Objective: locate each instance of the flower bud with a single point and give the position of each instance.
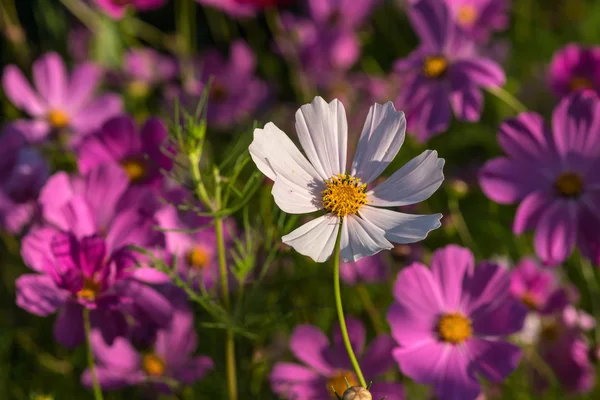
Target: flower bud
(357, 393)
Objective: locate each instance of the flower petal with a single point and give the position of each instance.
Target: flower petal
(556, 232)
(120, 355)
(413, 183)
(275, 154)
(507, 181)
(286, 377)
(316, 238)
(387, 391)
(400, 227)
(84, 80)
(68, 327)
(380, 140)
(458, 380)
(481, 71)
(323, 132)
(35, 248)
(377, 358)
(467, 102)
(450, 266)
(38, 294)
(424, 362)
(530, 210)
(50, 79)
(295, 198)
(494, 359)
(357, 335)
(194, 370)
(20, 93)
(91, 116)
(309, 345)
(527, 138)
(361, 238)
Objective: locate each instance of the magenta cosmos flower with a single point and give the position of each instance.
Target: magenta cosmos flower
(60, 101)
(23, 172)
(480, 18)
(77, 273)
(145, 68)
(171, 356)
(321, 182)
(347, 14)
(117, 8)
(449, 322)
(140, 152)
(366, 270)
(552, 173)
(326, 365)
(235, 93)
(445, 73)
(554, 326)
(574, 67)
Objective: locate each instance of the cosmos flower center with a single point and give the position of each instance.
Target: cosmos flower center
(344, 194)
(218, 92)
(529, 300)
(569, 184)
(90, 290)
(134, 168)
(153, 365)
(435, 66)
(454, 328)
(138, 88)
(467, 14)
(198, 258)
(579, 82)
(58, 119)
(338, 382)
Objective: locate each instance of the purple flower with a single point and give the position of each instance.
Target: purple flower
(328, 365)
(366, 270)
(60, 102)
(119, 364)
(235, 93)
(117, 8)
(574, 67)
(537, 288)
(444, 73)
(138, 152)
(552, 173)
(86, 273)
(145, 68)
(347, 14)
(23, 172)
(479, 18)
(449, 321)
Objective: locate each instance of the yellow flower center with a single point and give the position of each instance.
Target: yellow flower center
(338, 382)
(153, 365)
(580, 83)
(569, 184)
(454, 328)
(344, 195)
(90, 290)
(467, 14)
(135, 169)
(434, 66)
(530, 301)
(138, 89)
(58, 119)
(198, 258)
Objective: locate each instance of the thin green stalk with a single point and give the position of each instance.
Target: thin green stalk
(340, 310)
(460, 223)
(593, 291)
(374, 315)
(90, 355)
(508, 98)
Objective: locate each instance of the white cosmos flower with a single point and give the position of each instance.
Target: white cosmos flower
(322, 183)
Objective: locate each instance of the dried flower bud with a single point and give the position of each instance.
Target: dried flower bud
(357, 393)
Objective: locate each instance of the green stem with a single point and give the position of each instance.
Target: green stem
(508, 98)
(90, 355)
(460, 223)
(593, 291)
(340, 310)
(374, 315)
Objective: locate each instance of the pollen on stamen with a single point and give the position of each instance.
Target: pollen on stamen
(344, 194)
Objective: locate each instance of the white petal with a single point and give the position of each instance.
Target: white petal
(360, 238)
(315, 239)
(414, 182)
(400, 227)
(323, 132)
(297, 199)
(380, 140)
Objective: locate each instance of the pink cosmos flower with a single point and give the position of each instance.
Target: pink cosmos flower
(120, 364)
(445, 73)
(449, 322)
(140, 152)
(117, 8)
(144, 68)
(326, 365)
(366, 270)
(480, 18)
(552, 173)
(23, 172)
(574, 67)
(347, 14)
(60, 101)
